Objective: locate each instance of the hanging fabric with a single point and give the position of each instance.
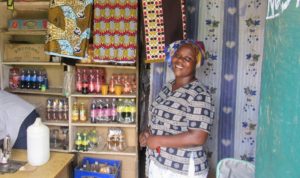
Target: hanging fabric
(115, 31)
(164, 22)
(69, 28)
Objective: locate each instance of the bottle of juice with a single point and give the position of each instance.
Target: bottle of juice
(82, 113)
(75, 112)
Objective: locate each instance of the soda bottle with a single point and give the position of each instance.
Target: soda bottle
(60, 111)
(33, 79)
(97, 82)
(75, 112)
(93, 117)
(100, 111)
(78, 80)
(49, 109)
(91, 87)
(85, 83)
(85, 142)
(66, 110)
(78, 142)
(106, 111)
(82, 113)
(28, 79)
(55, 109)
(40, 79)
(113, 110)
(23, 81)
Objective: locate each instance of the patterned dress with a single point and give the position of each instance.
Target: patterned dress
(174, 112)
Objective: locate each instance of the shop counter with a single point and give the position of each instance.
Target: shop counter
(58, 166)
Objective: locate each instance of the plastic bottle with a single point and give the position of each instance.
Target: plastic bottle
(113, 110)
(85, 142)
(49, 109)
(23, 81)
(120, 111)
(38, 143)
(106, 111)
(78, 142)
(33, 80)
(40, 79)
(85, 83)
(66, 110)
(78, 80)
(60, 112)
(91, 86)
(82, 113)
(27, 79)
(93, 114)
(75, 112)
(100, 111)
(132, 111)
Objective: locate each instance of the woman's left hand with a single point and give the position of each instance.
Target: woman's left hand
(153, 142)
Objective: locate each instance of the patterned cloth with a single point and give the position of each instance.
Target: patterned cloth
(69, 28)
(171, 49)
(174, 112)
(158, 31)
(115, 31)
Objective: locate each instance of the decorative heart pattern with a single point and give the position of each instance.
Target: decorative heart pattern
(228, 77)
(227, 110)
(159, 70)
(230, 44)
(226, 142)
(232, 10)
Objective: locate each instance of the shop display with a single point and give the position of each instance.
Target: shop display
(116, 139)
(96, 167)
(57, 109)
(59, 138)
(28, 78)
(115, 31)
(89, 80)
(69, 28)
(88, 140)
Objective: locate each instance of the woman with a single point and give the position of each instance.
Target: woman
(182, 116)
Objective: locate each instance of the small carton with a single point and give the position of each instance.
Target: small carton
(27, 24)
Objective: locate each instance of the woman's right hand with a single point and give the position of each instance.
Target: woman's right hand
(143, 138)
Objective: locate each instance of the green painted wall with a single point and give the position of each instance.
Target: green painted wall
(278, 138)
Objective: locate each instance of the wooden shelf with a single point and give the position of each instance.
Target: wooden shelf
(129, 151)
(23, 32)
(56, 123)
(50, 91)
(102, 96)
(59, 150)
(133, 125)
(108, 66)
(42, 5)
(33, 63)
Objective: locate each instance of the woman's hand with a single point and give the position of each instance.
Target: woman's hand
(153, 142)
(143, 138)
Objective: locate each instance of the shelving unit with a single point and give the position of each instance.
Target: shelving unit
(56, 71)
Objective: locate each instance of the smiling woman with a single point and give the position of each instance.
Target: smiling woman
(181, 111)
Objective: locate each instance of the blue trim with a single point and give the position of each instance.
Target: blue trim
(228, 87)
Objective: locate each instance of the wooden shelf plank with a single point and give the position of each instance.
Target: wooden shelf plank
(56, 123)
(23, 32)
(42, 5)
(33, 63)
(104, 125)
(50, 91)
(102, 96)
(59, 150)
(129, 151)
(107, 66)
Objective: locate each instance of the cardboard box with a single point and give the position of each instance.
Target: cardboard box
(27, 24)
(25, 53)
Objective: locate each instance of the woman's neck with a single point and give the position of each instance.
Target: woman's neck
(180, 82)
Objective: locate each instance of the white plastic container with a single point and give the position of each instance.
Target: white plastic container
(38, 143)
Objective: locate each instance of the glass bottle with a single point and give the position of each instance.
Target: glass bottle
(82, 113)
(75, 112)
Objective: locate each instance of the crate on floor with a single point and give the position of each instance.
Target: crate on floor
(86, 171)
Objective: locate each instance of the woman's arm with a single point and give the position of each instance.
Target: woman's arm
(192, 137)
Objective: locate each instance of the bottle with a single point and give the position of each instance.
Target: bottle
(33, 79)
(91, 82)
(75, 112)
(93, 114)
(93, 139)
(66, 110)
(97, 82)
(27, 79)
(14, 78)
(100, 111)
(78, 80)
(120, 109)
(82, 113)
(55, 109)
(132, 111)
(46, 83)
(40, 79)
(113, 110)
(106, 111)
(78, 142)
(49, 109)
(85, 83)
(60, 111)
(38, 143)
(23, 81)
(85, 142)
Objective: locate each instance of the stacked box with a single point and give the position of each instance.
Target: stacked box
(25, 53)
(27, 24)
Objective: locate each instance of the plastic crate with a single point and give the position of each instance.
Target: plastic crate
(87, 174)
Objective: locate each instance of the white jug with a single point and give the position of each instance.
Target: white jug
(38, 143)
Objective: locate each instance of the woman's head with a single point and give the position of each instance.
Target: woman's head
(196, 47)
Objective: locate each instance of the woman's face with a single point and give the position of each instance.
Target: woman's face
(184, 62)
